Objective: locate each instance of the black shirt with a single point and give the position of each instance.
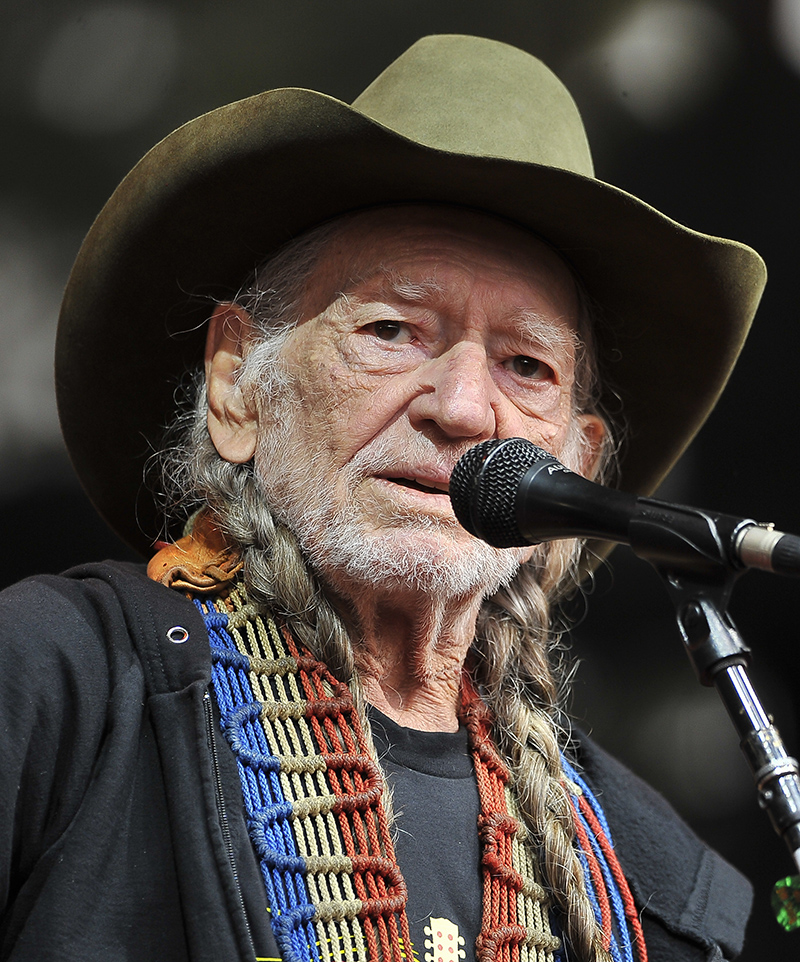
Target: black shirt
(436, 807)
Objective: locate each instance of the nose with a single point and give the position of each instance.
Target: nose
(456, 392)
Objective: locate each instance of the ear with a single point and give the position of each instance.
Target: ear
(593, 430)
(232, 423)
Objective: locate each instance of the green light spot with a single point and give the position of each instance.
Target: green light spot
(786, 902)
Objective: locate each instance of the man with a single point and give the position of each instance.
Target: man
(429, 268)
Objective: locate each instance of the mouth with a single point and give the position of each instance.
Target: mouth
(432, 487)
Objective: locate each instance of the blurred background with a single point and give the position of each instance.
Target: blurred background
(693, 105)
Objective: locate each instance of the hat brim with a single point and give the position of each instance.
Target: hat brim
(223, 192)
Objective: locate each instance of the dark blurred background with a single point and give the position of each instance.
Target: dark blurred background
(691, 104)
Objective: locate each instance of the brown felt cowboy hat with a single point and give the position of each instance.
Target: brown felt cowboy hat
(455, 120)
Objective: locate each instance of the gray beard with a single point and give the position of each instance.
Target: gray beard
(339, 544)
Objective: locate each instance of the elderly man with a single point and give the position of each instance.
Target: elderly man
(432, 267)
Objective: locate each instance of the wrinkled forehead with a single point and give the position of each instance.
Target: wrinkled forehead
(405, 244)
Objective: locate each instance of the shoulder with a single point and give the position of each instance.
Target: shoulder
(52, 615)
(65, 643)
(81, 654)
(56, 623)
(685, 887)
(86, 626)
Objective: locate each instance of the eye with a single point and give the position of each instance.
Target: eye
(530, 368)
(389, 330)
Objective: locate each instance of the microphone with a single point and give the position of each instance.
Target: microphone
(510, 493)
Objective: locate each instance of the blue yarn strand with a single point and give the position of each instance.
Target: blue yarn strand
(282, 867)
(621, 947)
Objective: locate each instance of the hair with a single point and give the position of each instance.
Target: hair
(517, 658)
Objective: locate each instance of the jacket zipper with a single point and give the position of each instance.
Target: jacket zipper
(222, 813)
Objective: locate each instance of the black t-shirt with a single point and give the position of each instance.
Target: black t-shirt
(436, 807)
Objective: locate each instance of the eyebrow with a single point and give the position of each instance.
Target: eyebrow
(428, 289)
(557, 339)
(393, 283)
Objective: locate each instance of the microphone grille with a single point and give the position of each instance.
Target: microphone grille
(483, 488)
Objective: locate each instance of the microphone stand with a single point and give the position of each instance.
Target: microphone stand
(700, 593)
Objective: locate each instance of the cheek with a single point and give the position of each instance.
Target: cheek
(366, 406)
(550, 431)
(341, 410)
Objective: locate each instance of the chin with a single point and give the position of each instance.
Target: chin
(448, 563)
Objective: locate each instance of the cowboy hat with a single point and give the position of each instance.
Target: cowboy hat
(455, 120)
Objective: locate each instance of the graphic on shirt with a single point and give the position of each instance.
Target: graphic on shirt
(444, 944)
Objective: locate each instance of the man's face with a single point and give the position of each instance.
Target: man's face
(427, 331)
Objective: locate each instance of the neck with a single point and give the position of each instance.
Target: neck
(410, 650)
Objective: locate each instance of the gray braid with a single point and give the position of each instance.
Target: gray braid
(514, 648)
(514, 669)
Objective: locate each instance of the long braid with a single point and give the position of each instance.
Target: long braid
(514, 673)
(275, 571)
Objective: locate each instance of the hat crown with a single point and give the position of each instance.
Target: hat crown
(480, 97)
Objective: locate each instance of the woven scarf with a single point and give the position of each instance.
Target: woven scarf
(313, 794)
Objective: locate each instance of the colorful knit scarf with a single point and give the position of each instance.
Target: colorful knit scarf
(313, 794)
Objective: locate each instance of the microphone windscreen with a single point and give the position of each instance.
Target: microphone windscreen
(484, 484)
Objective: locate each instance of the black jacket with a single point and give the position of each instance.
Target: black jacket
(121, 827)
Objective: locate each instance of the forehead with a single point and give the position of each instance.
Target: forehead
(441, 248)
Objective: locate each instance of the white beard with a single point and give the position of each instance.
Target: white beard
(379, 550)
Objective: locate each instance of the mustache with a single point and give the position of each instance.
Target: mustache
(409, 453)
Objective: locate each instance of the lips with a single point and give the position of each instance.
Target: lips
(429, 478)
(429, 487)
